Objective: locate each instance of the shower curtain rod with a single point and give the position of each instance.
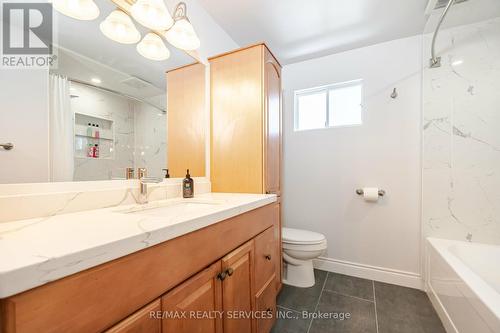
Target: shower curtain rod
(117, 93)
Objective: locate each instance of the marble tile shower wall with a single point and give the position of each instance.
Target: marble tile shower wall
(461, 135)
(119, 109)
(139, 135)
(150, 139)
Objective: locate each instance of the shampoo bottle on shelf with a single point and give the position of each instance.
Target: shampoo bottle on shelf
(188, 186)
(90, 150)
(96, 151)
(89, 130)
(96, 134)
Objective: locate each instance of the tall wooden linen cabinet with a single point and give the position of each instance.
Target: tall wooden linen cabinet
(245, 108)
(246, 121)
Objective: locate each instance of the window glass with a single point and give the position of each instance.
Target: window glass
(344, 107)
(311, 111)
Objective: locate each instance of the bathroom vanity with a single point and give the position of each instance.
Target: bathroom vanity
(168, 266)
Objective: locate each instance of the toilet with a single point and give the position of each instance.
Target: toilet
(300, 247)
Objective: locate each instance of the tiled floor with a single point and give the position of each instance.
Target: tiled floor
(374, 307)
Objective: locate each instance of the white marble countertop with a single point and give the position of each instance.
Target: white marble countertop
(36, 251)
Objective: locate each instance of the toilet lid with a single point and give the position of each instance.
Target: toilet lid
(298, 236)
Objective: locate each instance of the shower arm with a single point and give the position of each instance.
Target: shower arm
(436, 61)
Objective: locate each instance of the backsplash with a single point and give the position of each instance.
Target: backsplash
(461, 165)
(23, 201)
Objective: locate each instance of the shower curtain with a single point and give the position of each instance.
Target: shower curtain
(61, 123)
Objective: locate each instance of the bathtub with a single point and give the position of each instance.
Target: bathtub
(463, 283)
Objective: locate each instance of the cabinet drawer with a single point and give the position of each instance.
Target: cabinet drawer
(265, 257)
(141, 321)
(266, 305)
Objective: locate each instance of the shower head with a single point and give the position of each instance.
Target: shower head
(438, 4)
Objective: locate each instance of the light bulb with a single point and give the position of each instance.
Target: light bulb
(119, 27)
(152, 14)
(183, 36)
(152, 47)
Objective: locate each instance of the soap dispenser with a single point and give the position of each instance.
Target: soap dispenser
(167, 175)
(188, 186)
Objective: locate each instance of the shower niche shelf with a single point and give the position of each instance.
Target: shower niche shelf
(86, 136)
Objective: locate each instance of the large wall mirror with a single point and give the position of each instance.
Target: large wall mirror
(100, 110)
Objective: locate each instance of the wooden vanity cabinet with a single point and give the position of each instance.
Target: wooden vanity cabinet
(246, 121)
(218, 268)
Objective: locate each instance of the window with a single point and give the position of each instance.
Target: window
(331, 106)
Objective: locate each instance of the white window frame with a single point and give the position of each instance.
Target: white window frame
(326, 89)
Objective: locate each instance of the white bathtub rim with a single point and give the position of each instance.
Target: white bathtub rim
(481, 289)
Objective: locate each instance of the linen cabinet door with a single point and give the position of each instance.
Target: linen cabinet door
(195, 306)
(237, 289)
(272, 126)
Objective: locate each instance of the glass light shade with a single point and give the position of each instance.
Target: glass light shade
(152, 14)
(84, 10)
(152, 47)
(183, 36)
(119, 27)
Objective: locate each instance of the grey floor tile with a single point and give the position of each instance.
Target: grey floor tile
(407, 310)
(362, 315)
(350, 286)
(302, 299)
(290, 321)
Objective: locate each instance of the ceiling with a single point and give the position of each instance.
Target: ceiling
(297, 30)
(302, 29)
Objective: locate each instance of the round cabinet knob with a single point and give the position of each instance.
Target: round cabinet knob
(268, 257)
(229, 271)
(221, 276)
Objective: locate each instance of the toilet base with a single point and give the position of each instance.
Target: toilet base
(301, 275)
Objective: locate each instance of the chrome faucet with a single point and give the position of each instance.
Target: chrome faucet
(143, 185)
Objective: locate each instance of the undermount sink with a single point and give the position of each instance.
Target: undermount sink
(170, 208)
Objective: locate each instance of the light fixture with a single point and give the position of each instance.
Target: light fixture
(95, 80)
(84, 10)
(119, 27)
(182, 34)
(152, 14)
(152, 47)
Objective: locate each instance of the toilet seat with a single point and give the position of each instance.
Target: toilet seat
(292, 236)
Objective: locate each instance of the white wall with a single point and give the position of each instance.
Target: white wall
(24, 121)
(323, 168)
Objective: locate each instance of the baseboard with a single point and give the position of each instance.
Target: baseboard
(441, 311)
(401, 278)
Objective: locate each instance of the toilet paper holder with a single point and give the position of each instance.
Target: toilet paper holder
(359, 191)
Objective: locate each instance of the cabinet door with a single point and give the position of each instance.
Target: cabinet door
(237, 289)
(272, 72)
(144, 320)
(195, 306)
(186, 121)
(237, 118)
